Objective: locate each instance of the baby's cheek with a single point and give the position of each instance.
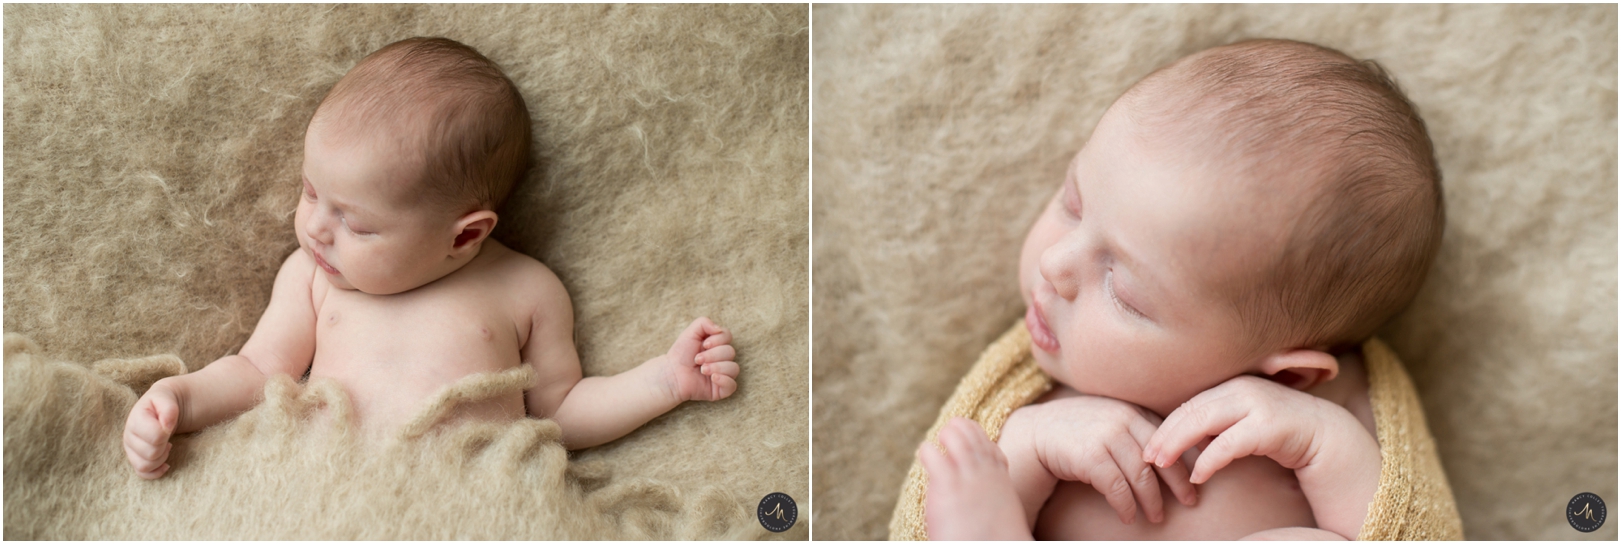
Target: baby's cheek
(1035, 243)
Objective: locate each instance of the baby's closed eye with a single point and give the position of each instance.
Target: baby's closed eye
(1108, 287)
(356, 230)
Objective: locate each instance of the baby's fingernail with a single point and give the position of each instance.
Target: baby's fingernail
(1149, 455)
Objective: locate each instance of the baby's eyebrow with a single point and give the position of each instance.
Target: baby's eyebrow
(355, 209)
(349, 208)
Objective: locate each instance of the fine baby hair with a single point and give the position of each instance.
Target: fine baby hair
(1298, 113)
(476, 147)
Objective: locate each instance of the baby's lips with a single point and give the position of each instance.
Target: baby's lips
(1040, 334)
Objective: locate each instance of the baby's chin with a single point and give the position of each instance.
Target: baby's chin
(1053, 368)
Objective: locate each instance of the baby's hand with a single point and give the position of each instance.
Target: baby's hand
(970, 495)
(1334, 457)
(700, 365)
(1099, 441)
(146, 433)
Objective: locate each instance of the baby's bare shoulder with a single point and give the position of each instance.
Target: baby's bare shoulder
(298, 265)
(297, 277)
(531, 283)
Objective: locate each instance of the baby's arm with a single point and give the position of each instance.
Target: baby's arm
(282, 342)
(1335, 458)
(600, 409)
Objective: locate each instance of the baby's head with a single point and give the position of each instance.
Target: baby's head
(1249, 209)
(406, 161)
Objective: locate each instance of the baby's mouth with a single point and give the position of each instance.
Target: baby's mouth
(1040, 334)
(324, 266)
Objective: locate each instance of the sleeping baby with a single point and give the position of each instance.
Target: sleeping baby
(397, 290)
(1238, 222)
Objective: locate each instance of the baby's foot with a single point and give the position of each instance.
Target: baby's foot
(970, 495)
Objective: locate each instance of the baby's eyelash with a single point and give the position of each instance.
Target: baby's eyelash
(345, 221)
(1108, 287)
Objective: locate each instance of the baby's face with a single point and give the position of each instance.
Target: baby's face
(362, 216)
(1127, 272)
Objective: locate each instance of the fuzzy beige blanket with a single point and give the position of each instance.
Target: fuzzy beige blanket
(151, 157)
(941, 131)
(1413, 501)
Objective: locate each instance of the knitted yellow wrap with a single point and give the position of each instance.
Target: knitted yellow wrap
(1413, 502)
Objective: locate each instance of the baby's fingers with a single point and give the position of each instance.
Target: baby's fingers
(1176, 476)
(1142, 479)
(1240, 440)
(146, 429)
(152, 420)
(935, 464)
(691, 340)
(721, 386)
(719, 337)
(1116, 489)
(149, 462)
(965, 441)
(723, 368)
(697, 330)
(723, 353)
(155, 473)
(137, 448)
(1205, 415)
(703, 328)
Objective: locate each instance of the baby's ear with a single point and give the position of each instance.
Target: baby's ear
(1300, 369)
(472, 229)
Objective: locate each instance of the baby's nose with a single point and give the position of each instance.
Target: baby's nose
(318, 229)
(1058, 267)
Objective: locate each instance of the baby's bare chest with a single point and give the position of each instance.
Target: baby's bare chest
(1250, 495)
(421, 339)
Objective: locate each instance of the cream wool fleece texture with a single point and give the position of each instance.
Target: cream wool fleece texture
(942, 131)
(1413, 501)
(151, 172)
